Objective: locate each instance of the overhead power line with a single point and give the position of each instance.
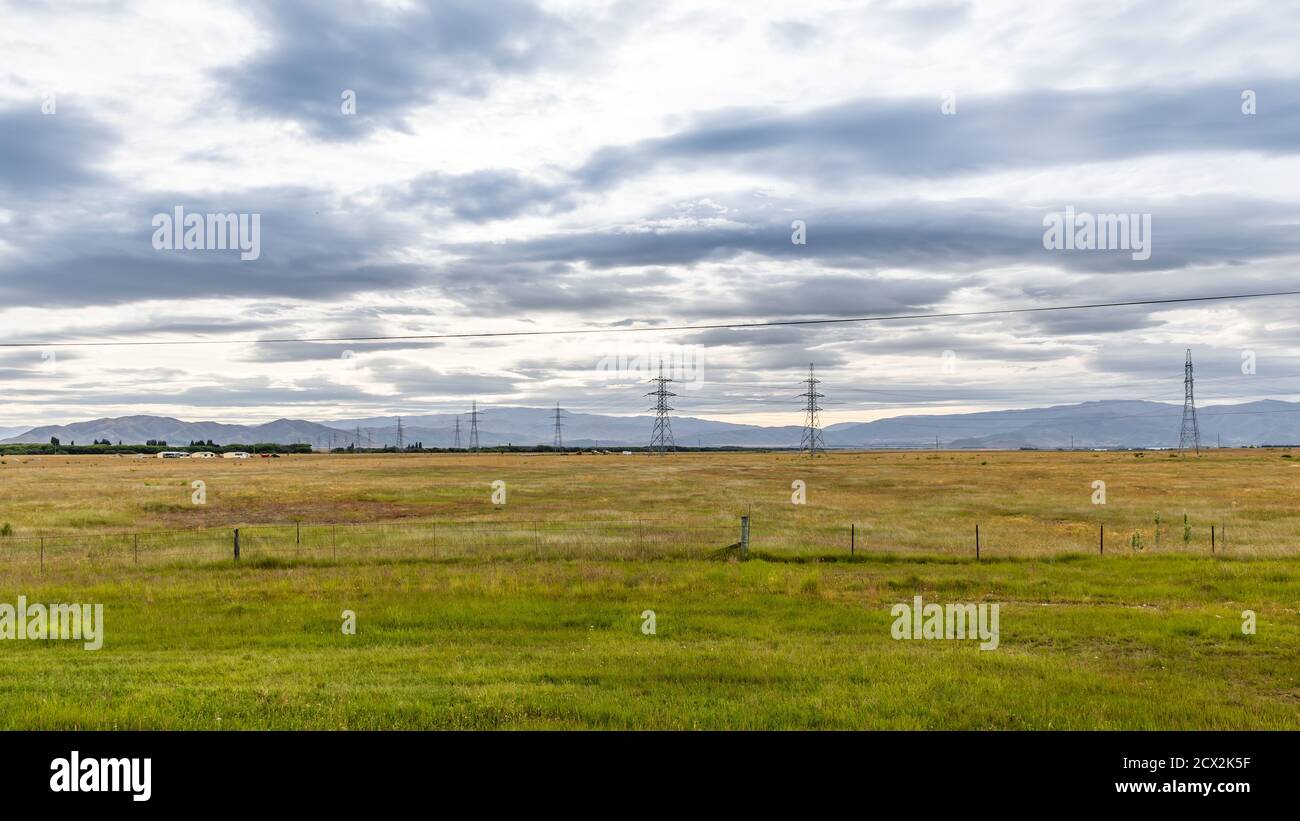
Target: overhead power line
(104, 343)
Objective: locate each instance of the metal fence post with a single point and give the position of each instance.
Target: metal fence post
(853, 538)
(744, 537)
(977, 543)
(236, 544)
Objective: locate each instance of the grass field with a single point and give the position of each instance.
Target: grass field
(797, 636)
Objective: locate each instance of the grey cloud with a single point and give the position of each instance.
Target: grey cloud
(357, 352)
(311, 249)
(948, 236)
(912, 138)
(394, 59)
(408, 378)
(484, 195)
(918, 24)
(791, 34)
(43, 154)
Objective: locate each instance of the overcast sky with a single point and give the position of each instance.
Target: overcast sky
(522, 166)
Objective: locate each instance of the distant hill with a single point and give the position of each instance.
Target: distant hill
(532, 426)
(136, 430)
(1104, 424)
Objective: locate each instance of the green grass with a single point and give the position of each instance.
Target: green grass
(1141, 642)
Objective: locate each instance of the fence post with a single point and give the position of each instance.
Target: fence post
(1211, 540)
(236, 544)
(1101, 547)
(297, 533)
(977, 543)
(853, 538)
(744, 537)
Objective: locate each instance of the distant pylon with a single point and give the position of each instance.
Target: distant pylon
(1190, 435)
(559, 437)
(661, 438)
(811, 443)
(457, 445)
(400, 441)
(473, 427)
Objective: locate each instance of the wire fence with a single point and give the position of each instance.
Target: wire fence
(623, 539)
(428, 540)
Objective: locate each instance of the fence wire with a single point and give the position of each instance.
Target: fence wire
(428, 540)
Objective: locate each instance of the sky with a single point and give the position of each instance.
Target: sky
(458, 167)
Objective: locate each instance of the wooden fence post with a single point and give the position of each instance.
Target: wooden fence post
(1211, 540)
(236, 544)
(1101, 546)
(977, 543)
(853, 538)
(744, 537)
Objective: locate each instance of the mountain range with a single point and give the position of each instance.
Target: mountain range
(1101, 424)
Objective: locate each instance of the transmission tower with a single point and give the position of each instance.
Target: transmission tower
(661, 439)
(473, 427)
(1190, 435)
(559, 437)
(399, 433)
(457, 445)
(811, 443)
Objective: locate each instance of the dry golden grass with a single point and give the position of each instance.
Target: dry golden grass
(1026, 503)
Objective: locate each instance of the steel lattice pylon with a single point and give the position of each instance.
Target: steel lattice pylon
(661, 438)
(473, 426)
(1190, 435)
(812, 443)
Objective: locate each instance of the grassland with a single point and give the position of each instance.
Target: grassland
(796, 637)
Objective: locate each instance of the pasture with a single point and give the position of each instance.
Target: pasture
(536, 621)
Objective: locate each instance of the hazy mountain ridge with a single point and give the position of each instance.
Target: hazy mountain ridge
(1099, 424)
